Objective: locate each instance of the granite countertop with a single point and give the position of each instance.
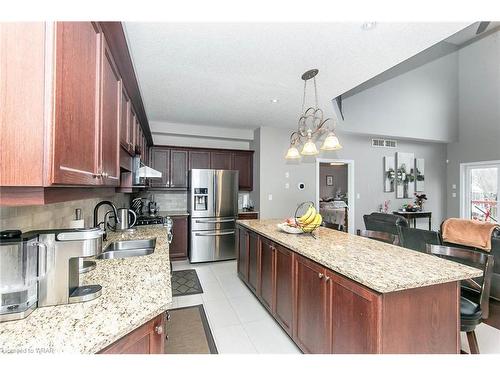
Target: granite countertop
(382, 267)
(134, 290)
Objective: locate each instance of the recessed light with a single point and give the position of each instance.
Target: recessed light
(368, 25)
(275, 100)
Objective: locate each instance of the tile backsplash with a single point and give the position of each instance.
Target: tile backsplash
(169, 201)
(55, 215)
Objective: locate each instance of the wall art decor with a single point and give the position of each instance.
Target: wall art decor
(389, 174)
(405, 175)
(329, 180)
(420, 174)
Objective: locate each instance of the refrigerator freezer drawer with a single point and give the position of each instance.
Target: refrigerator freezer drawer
(213, 223)
(207, 246)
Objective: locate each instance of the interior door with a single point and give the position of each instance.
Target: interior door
(76, 113)
(481, 191)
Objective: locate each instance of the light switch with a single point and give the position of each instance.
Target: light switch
(270, 197)
(454, 186)
(287, 174)
(454, 195)
(358, 196)
(287, 186)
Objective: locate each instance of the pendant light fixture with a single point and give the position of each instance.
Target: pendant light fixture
(311, 127)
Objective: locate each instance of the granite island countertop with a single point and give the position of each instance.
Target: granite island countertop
(382, 267)
(134, 291)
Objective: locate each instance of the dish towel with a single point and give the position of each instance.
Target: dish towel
(469, 232)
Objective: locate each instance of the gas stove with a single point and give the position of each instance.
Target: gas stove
(150, 220)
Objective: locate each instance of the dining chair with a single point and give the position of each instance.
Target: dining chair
(417, 239)
(471, 313)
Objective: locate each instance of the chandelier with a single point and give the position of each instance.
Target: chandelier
(312, 127)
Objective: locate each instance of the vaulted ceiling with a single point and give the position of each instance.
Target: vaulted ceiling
(227, 75)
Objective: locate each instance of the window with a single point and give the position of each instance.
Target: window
(480, 196)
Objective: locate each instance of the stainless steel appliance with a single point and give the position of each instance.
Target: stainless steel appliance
(213, 206)
(123, 222)
(18, 275)
(59, 255)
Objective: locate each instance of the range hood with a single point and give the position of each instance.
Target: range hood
(141, 172)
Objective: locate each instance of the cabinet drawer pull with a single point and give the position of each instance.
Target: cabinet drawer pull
(327, 278)
(159, 330)
(167, 315)
(320, 275)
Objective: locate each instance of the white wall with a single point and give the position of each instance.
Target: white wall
(420, 104)
(479, 112)
(368, 174)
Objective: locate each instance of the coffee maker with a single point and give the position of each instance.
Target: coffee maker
(60, 251)
(18, 275)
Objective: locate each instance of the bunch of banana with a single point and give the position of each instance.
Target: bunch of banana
(310, 220)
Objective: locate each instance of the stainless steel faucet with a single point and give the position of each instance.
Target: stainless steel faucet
(96, 216)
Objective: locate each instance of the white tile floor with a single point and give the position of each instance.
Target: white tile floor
(238, 321)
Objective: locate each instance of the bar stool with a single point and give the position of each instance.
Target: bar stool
(379, 236)
(471, 313)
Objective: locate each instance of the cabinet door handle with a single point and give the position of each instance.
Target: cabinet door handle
(320, 275)
(159, 330)
(327, 278)
(167, 315)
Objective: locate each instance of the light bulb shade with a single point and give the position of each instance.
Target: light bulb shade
(309, 149)
(292, 153)
(331, 143)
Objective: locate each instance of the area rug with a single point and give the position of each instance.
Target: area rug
(185, 282)
(188, 332)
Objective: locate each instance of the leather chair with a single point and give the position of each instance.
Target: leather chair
(471, 313)
(381, 222)
(417, 239)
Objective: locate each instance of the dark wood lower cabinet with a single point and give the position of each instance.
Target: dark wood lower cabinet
(147, 339)
(354, 316)
(311, 306)
(283, 308)
(243, 254)
(265, 288)
(178, 248)
(253, 248)
(325, 312)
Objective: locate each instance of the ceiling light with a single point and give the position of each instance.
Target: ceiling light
(312, 126)
(368, 25)
(275, 100)
(331, 143)
(337, 164)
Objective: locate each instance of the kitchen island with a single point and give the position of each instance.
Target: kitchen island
(136, 292)
(340, 293)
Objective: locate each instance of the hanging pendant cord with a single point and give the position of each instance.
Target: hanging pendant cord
(315, 93)
(304, 96)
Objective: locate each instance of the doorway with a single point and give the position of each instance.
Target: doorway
(335, 192)
(480, 191)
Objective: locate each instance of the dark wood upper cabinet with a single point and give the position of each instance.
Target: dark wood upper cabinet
(243, 163)
(243, 254)
(199, 159)
(124, 119)
(351, 302)
(220, 160)
(283, 284)
(178, 169)
(178, 248)
(75, 145)
(253, 248)
(266, 274)
(311, 319)
(110, 118)
(160, 160)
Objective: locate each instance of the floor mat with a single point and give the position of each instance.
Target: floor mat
(188, 332)
(185, 282)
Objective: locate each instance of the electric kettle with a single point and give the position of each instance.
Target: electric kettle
(123, 221)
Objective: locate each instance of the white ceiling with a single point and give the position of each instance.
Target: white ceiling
(226, 74)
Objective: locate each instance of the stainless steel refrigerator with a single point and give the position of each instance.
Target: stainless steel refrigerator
(213, 206)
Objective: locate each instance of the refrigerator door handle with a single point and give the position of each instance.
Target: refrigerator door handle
(213, 234)
(214, 221)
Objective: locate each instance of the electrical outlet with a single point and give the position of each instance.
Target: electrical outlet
(454, 186)
(358, 196)
(287, 174)
(287, 186)
(454, 195)
(270, 197)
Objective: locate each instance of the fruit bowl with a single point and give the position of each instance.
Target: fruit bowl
(285, 227)
(307, 222)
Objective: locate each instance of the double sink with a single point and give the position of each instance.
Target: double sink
(128, 248)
